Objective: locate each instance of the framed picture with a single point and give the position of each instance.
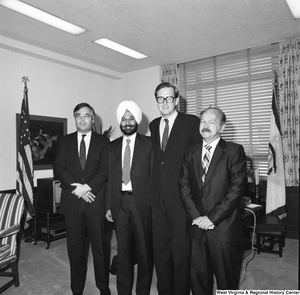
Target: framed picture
(44, 133)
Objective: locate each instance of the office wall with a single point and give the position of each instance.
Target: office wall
(54, 90)
(56, 84)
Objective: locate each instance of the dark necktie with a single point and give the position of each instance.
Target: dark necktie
(82, 153)
(165, 135)
(126, 163)
(205, 162)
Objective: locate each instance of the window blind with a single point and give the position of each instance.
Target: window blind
(241, 84)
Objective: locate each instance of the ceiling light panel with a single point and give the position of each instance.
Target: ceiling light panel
(294, 6)
(42, 16)
(120, 48)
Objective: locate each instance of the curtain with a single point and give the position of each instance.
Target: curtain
(170, 74)
(289, 91)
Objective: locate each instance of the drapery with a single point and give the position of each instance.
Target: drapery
(289, 91)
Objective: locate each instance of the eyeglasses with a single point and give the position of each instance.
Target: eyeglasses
(79, 116)
(168, 99)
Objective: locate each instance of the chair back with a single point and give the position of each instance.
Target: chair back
(11, 210)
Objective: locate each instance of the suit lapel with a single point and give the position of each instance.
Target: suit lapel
(155, 135)
(216, 159)
(118, 151)
(91, 151)
(73, 149)
(197, 159)
(138, 147)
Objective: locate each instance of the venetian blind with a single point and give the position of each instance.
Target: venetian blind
(241, 84)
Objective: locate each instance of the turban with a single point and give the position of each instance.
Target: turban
(132, 107)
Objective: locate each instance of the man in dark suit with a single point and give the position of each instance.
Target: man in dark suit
(129, 200)
(212, 182)
(81, 166)
(171, 134)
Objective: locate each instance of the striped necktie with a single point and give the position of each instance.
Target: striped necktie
(82, 152)
(205, 162)
(126, 164)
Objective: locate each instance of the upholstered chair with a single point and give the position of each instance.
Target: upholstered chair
(11, 210)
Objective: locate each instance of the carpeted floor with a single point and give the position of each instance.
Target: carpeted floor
(46, 272)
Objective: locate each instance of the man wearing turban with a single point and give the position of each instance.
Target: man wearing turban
(129, 200)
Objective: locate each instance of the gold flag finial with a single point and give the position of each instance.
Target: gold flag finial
(25, 80)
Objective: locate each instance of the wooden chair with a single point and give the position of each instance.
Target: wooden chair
(11, 210)
(270, 229)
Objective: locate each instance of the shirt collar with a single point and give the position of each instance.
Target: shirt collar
(131, 137)
(213, 144)
(88, 134)
(171, 118)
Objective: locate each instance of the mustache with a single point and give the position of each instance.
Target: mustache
(205, 130)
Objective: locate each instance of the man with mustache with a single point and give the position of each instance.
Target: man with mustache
(212, 182)
(129, 200)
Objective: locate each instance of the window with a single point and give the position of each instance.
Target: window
(241, 84)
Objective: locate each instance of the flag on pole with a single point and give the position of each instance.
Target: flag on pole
(276, 198)
(24, 157)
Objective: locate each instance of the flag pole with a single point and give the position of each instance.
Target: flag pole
(25, 80)
(26, 187)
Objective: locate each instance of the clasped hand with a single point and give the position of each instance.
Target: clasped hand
(203, 222)
(83, 191)
(109, 216)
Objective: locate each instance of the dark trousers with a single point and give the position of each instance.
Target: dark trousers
(80, 227)
(209, 258)
(129, 225)
(171, 246)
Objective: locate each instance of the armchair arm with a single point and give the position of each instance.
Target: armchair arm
(10, 230)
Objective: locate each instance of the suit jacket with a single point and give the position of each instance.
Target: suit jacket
(167, 165)
(221, 193)
(140, 174)
(67, 169)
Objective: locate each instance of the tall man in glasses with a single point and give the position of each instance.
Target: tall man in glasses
(171, 134)
(82, 167)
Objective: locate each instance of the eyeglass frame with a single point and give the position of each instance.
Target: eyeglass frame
(165, 99)
(78, 116)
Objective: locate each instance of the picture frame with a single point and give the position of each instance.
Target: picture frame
(44, 133)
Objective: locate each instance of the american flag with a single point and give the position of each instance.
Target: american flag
(24, 158)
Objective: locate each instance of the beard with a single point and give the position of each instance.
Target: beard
(129, 129)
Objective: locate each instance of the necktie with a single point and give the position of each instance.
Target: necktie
(205, 162)
(126, 164)
(165, 135)
(82, 153)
